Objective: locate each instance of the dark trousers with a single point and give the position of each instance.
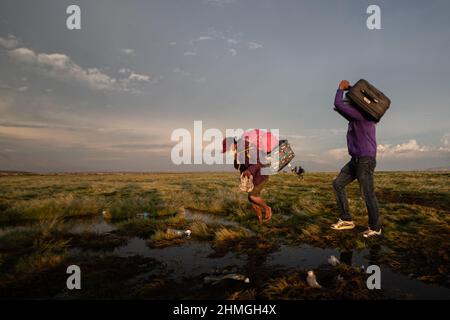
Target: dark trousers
(362, 169)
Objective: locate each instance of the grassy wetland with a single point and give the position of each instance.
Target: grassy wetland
(127, 232)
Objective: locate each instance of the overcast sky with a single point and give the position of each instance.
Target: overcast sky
(108, 96)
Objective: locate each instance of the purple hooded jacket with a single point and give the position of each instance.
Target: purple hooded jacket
(361, 134)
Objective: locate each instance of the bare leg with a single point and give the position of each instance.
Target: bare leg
(257, 209)
(258, 201)
(268, 213)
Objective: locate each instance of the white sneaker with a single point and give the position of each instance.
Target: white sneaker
(371, 233)
(343, 225)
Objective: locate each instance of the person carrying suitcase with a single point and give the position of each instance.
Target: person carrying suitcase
(362, 147)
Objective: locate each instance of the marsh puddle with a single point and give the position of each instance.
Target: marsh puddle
(191, 215)
(395, 284)
(184, 261)
(74, 225)
(303, 257)
(94, 224)
(192, 258)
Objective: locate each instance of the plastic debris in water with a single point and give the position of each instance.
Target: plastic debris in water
(177, 232)
(312, 281)
(143, 215)
(180, 233)
(230, 276)
(333, 261)
(106, 214)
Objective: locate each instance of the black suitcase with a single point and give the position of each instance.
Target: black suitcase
(369, 99)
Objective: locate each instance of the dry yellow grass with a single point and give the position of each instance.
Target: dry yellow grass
(226, 234)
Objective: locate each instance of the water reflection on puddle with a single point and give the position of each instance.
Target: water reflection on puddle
(193, 258)
(75, 225)
(95, 224)
(188, 260)
(395, 284)
(304, 257)
(191, 215)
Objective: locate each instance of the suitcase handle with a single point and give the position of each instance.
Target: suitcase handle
(368, 95)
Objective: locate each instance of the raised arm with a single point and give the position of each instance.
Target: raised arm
(345, 108)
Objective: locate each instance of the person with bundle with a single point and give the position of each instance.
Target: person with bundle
(248, 159)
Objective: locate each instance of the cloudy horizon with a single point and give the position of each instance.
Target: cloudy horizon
(107, 97)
